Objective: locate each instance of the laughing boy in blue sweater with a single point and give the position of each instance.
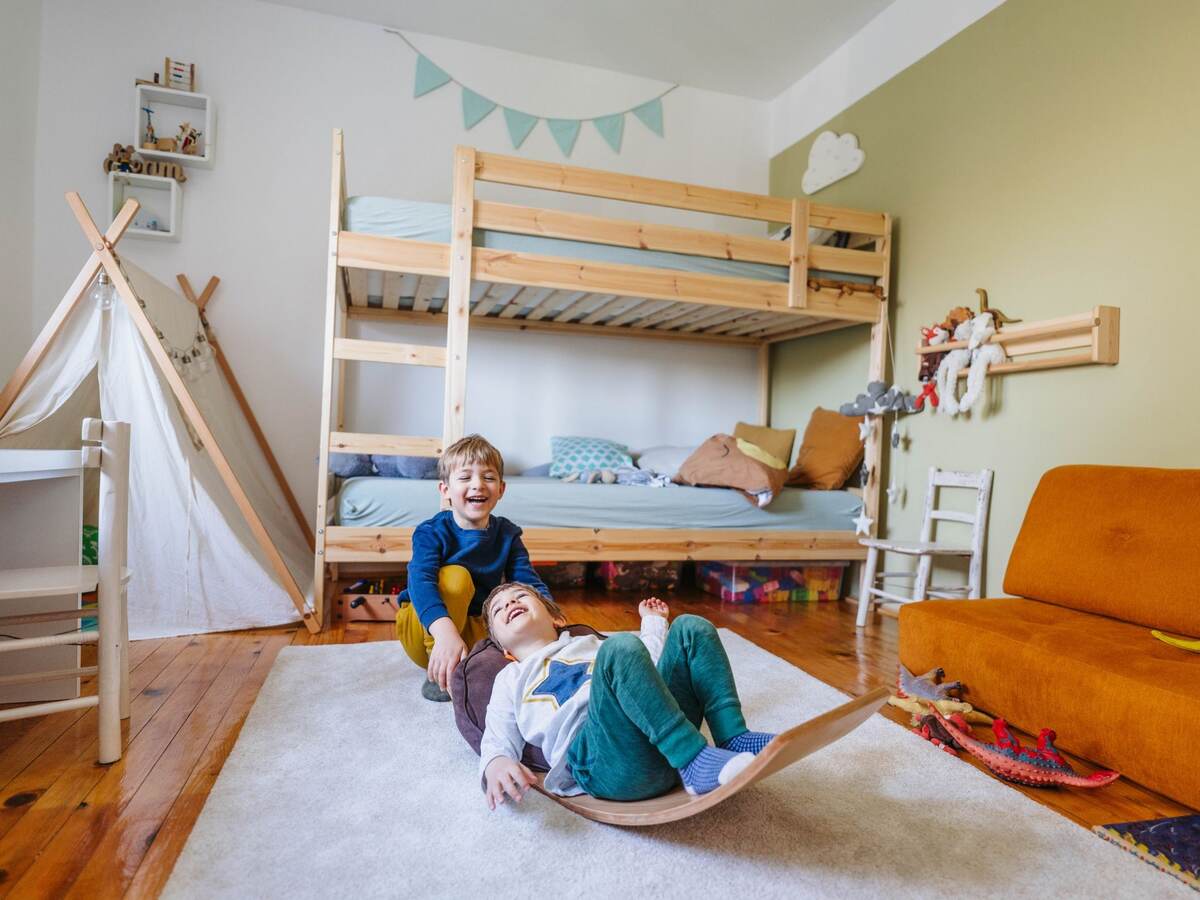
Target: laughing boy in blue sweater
(458, 557)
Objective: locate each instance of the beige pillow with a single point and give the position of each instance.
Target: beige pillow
(776, 441)
(830, 452)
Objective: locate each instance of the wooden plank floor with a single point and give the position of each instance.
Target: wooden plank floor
(71, 828)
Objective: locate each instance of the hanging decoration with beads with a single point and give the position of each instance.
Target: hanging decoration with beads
(192, 361)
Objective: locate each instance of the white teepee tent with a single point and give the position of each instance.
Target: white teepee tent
(212, 542)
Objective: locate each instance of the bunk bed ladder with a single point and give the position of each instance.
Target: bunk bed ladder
(342, 349)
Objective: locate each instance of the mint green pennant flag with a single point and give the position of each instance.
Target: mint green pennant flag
(651, 115)
(429, 77)
(519, 125)
(475, 108)
(565, 132)
(611, 128)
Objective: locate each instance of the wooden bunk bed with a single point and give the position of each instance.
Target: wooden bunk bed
(463, 286)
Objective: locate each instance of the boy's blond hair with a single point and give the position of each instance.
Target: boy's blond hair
(466, 451)
(550, 605)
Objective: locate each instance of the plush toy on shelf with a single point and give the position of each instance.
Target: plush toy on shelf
(947, 371)
(930, 337)
(984, 353)
(188, 139)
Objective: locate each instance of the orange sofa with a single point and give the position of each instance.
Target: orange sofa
(1105, 554)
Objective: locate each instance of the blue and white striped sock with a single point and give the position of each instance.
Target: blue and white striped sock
(712, 768)
(748, 742)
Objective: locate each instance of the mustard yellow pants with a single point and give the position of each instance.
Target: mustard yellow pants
(457, 590)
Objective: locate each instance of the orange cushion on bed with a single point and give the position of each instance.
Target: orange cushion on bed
(830, 452)
(776, 441)
(1114, 694)
(1115, 540)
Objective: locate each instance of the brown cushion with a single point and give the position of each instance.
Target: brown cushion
(471, 691)
(1115, 540)
(1114, 694)
(830, 452)
(776, 441)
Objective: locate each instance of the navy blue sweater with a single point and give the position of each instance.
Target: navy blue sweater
(492, 555)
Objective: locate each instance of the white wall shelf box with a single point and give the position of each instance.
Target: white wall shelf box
(171, 108)
(161, 200)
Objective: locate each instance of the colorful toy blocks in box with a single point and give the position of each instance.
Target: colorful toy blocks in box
(562, 574)
(639, 576)
(777, 582)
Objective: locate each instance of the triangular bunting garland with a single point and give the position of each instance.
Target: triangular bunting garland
(651, 114)
(565, 132)
(429, 77)
(611, 128)
(519, 125)
(475, 108)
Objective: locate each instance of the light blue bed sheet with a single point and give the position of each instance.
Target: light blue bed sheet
(549, 503)
(419, 221)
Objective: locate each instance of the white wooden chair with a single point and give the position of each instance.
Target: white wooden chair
(927, 548)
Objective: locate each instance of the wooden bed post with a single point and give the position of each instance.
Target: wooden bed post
(798, 256)
(337, 192)
(458, 299)
(764, 383)
(102, 247)
(877, 371)
(239, 395)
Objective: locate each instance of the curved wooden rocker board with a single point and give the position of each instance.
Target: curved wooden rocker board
(789, 747)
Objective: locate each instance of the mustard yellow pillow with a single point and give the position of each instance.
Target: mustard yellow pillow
(830, 452)
(776, 441)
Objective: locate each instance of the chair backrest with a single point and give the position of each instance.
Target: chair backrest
(980, 482)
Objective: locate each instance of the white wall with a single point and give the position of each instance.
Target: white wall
(281, 79)
(20, 36)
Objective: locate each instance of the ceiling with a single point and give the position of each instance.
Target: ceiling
(749, 48)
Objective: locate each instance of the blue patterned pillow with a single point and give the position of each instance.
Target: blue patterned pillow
(582, 454)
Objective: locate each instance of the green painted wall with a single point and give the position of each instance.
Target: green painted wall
(1051, 154)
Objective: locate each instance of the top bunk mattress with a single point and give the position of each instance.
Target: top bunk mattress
(419, 221)
(550, 503)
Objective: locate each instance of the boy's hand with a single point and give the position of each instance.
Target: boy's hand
(506, 777)
(652, 606)
(448, 651)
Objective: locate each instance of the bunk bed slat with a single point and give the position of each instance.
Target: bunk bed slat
(632, 188)
(724, 316)
(623, 233)
(526, 298)
(548, 304)
(839, 218)
(620, 306)
(424, 292)
(393, 444)
(392, 289)
(696, 315)
(639, 311)
(600, 310)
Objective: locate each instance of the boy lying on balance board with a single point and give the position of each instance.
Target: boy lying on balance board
(618, 718)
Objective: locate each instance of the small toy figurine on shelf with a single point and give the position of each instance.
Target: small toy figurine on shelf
(188, 139)
(121, 159)
(930, 337)
(149, 142)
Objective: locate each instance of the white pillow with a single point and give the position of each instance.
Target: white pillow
(664, 460)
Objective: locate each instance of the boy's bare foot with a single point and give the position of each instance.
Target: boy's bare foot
(652, 606)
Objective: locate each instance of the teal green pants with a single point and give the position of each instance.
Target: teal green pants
(643, 720)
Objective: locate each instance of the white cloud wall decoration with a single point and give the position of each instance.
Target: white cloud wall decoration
(831, 158)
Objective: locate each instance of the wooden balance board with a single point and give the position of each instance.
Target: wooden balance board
(789, 747)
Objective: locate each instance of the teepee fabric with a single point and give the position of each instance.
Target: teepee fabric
(196, 565)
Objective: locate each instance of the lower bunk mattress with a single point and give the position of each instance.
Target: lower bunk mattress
(549, 503)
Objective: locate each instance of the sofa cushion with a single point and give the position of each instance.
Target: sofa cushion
(1115, 540)
(1114, 694)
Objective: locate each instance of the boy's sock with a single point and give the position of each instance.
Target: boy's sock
(431, 691)
(712, 768)
(748, 742)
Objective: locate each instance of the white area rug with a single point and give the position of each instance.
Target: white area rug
(345, 783)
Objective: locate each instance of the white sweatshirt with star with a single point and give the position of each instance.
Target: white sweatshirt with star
(543, 700)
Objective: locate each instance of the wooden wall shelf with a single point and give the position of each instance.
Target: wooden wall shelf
(1092, 338)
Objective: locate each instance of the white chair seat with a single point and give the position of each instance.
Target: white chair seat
(916, 548)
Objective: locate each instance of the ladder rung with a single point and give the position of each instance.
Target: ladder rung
(50, 640)
(944, 515)
(392, 444)
(52, 675)
(389, 352)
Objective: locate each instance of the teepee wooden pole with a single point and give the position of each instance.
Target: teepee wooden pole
(54, 325)
(102, 248)
(239, 395)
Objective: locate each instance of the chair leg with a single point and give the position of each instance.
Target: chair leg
(868, 582)
(921, 585)
(124, 655)
(975, 577)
